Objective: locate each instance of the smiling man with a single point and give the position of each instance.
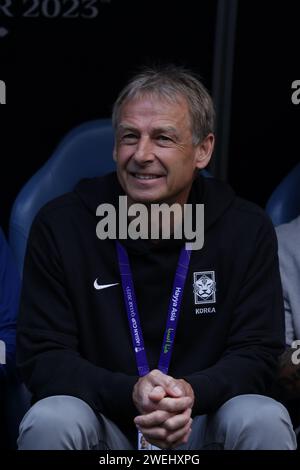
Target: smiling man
(155, 152)
(127, 340)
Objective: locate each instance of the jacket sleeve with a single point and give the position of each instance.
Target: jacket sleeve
(256, 339)
(9, 305)
(48, 349)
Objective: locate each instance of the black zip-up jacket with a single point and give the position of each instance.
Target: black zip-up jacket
(74, 339)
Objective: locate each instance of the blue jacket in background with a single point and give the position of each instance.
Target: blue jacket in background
(9, 304)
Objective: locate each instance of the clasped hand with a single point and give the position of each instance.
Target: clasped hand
(165, 406)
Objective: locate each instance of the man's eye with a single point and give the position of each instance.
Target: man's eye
(164, 138)
(129, 137)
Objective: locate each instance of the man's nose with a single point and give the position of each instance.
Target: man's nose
(144, 151)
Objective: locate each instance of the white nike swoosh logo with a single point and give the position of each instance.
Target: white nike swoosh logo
(103, 286)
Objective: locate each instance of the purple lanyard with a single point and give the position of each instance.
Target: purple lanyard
(133, 315)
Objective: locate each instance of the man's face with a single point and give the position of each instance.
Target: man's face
(156, 159)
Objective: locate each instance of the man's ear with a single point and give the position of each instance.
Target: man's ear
(114, 154)
(204, 151)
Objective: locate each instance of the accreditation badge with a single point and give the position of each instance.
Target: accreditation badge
(143, 444)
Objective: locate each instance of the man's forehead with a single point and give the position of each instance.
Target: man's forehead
(164, 114)
(125, 126)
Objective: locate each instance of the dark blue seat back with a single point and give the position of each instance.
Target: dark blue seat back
(284, 203)
(84, 152)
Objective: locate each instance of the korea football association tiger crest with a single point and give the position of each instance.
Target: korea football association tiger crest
(204, 287)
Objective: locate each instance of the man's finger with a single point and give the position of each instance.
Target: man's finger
(155, 418)
(183, 440)
(178, 435)
(177, 421)
(175, 405)
(165, 443)
(157, 433)
(157, 393)
(166, 381)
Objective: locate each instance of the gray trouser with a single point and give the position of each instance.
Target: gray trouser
(244, 422)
